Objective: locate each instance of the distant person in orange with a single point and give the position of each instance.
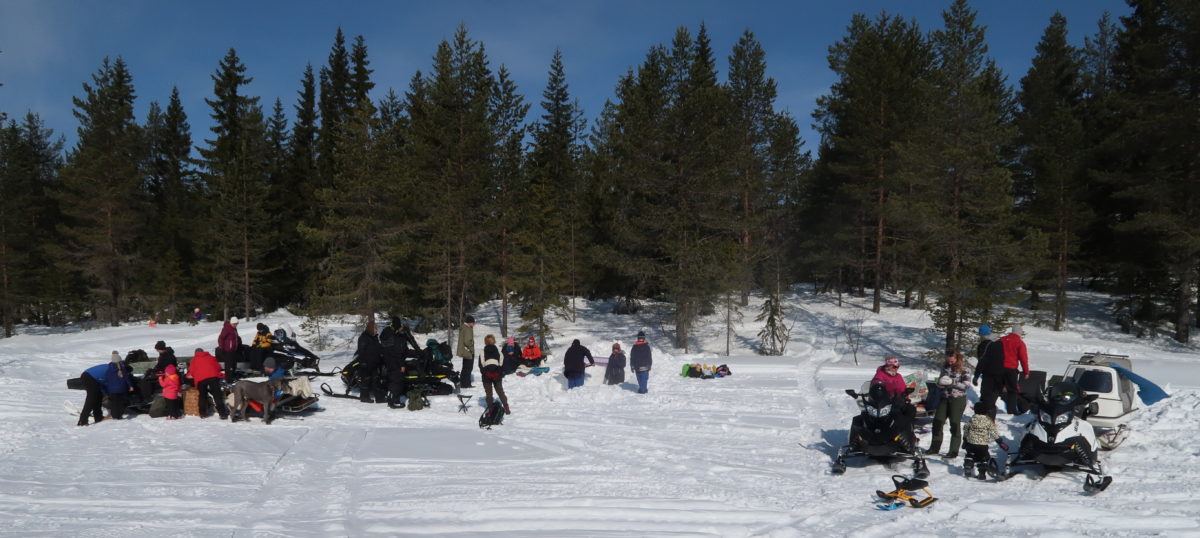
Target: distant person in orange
(531, 354)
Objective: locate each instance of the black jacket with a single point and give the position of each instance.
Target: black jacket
(369, 351)
(991, 357)
(639, 357)
(165, 358)
(573, 358)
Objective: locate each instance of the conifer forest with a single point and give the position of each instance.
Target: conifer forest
(936, 177)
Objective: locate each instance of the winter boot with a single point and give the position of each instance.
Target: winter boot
(982, 469)
(968, 467)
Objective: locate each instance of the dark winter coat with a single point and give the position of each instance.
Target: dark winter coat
(991, 357)
(573, 359)
(640, 357)
(369, 351)
(614, 373)
(466, 341)
(490, 365)
(511, 355)
(166, 357)
(229, 339)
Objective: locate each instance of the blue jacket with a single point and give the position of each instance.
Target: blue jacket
(277, 374)
(111, 382)
(639, 357)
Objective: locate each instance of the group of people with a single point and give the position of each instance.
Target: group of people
(1002, 363)
(114, 380)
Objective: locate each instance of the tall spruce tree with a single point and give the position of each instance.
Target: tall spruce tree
(1051, 141)
(549, 239)
(101, 186)
(336, 98)
(168, 246)
(235, 163)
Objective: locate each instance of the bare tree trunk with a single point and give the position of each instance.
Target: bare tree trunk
(1183, 304)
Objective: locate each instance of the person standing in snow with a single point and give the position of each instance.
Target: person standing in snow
(205, 372)
(989, 366)
(614, 373)
(229, 347)
(169, 381)
(954, 382)
(111, 379)
(573, 367)
(640, 361)
(466, 350)
(369, 355)
(491, 370)
(1015, 354)
(981, 431)
(512, 356)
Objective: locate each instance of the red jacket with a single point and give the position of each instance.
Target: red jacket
(894, 384)
(532, 352)
(229, 339)
(204, 366)
(1015, 352)
(169, 380)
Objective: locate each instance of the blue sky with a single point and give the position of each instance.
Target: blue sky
(50, 47)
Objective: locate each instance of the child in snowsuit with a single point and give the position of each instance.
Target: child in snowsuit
(169, 381)
(614, 373)
(981, 431)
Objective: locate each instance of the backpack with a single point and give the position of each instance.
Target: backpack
(136, 355)
(416, 400)
(492, 416)
(723, 371)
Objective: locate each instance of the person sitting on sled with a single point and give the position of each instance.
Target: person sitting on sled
(981, 431)
(531, 354)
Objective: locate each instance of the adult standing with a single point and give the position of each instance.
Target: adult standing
(614, 372)
(206, 374)
(392, 340)
(370, 355)
(1015, 354)
(953, 382)
(109, 379)
(466, 350)
(640, 361)
(229, 346)
(573, 366)
(990, 366)
(491, 370)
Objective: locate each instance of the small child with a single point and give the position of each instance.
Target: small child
(981, 431)
(169, 380)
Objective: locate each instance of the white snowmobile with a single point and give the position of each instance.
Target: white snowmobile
(1060, 439)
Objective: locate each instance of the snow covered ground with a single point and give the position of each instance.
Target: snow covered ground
(746, 455)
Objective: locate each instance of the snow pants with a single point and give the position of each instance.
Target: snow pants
(643, 377)
(92, 402)
(212, 386)
(465, 376)
(952, 409)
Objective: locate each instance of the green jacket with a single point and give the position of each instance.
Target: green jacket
(466, 342)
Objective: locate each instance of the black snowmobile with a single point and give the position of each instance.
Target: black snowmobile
(883, 431)
(1060, 439)
(291, 356)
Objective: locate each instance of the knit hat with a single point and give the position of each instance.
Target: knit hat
(469, 319)
(511, 340)
(984, 330)
(1017, 329)
(641, 335)
(116, 357)
(532, 340)
(269, 363)
(233, 320)
(160, 345)
(262, 327)
(891, 361)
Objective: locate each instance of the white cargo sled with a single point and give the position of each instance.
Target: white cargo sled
(1117, 390)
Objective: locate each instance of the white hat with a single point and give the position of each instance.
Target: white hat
(233, 320)
(1017, 329)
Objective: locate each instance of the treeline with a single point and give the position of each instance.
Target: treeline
(934, 178)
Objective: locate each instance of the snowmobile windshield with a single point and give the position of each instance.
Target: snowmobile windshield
(1094, 380)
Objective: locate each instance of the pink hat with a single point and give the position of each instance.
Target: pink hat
(512, 340)
(892, 361)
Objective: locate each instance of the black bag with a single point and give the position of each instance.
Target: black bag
(492, 416)
(136, 355)
(440, 389)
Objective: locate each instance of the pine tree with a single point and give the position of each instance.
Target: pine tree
(1051, 140)
(869, 115)
(29, 166)
(335, 101)
(235, 162)
(1157, 98)
(967, 182)
(101, 185)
